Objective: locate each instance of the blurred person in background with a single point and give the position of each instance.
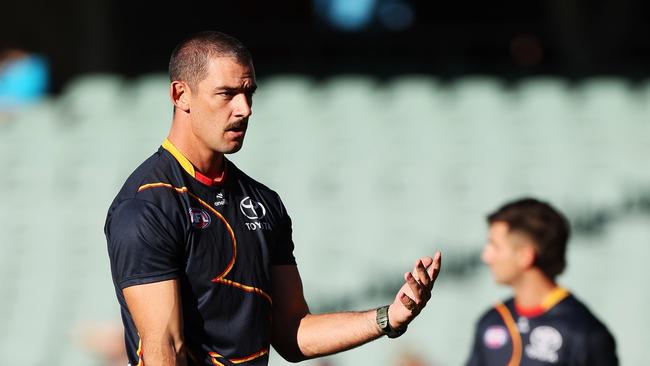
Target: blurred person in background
(543, 324)
(24, 78)
(411, 358)
(202, 255)
(105, 340)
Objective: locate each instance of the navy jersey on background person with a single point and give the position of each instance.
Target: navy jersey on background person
(562, 332)
(219, 239)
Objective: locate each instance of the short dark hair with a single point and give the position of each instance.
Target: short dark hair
(546, 226)
(189, 60)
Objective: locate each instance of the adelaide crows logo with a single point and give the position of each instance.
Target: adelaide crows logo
(199, 218)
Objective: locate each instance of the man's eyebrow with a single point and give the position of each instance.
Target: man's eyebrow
(249, 89)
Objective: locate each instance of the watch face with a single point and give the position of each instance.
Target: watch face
(382, 318)
(382, 322)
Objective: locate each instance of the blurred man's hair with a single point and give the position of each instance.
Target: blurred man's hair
(544, 225)
(189, 60)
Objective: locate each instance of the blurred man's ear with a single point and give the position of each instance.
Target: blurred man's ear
(180, 92)
(526, 256)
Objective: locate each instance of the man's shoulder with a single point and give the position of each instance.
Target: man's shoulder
(246, 180)
(157, 170)
(492, 316)
(575, 312)
(584, 330)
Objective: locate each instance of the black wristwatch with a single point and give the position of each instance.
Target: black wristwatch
(384, 324)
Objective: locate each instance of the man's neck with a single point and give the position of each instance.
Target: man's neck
(207, 161)
(532, 288)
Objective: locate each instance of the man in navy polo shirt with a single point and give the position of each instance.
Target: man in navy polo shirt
(543, 324)
(202, 254)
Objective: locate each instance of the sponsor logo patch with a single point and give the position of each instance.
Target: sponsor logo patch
(199, 218)
(221, 201)
(545, 342)
(252, 209)
(496, 336)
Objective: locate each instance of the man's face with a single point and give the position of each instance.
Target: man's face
(221, 103)
(503, 253)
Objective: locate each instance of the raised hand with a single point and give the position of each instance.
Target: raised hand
(416, 292)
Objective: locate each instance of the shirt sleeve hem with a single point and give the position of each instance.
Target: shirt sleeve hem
(148, 278)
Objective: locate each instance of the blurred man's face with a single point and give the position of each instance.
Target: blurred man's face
(221, 105)
(502, 253)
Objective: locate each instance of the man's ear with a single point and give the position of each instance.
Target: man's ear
(526, 256)
(180, 94)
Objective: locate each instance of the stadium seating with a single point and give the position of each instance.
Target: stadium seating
(374, 173)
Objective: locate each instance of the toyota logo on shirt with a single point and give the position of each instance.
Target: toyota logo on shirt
(251, 209)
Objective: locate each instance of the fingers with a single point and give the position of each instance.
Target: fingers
(426, 272)
(408, 302)
(422, 275)
(421, 293)
(416, 292)
(434, 268)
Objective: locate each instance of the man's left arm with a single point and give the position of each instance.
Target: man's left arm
(298, 335)
(601, 348)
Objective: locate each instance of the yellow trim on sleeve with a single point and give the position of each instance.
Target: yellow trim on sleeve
(167, 145)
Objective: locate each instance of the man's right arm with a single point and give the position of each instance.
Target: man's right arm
(298, 335)
(142, 245)
(156, 311)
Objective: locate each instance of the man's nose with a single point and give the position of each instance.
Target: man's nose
(243, 106)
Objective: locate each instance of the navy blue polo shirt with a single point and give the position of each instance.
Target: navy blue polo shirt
(563, 332)
(219, 239)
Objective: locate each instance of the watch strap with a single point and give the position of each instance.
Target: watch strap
(384, 323)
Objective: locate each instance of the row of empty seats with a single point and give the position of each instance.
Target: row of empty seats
(372, 171)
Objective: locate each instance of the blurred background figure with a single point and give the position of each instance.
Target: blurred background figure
(411, 358)
(105, 340)
(541, 322)
(24, 78)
